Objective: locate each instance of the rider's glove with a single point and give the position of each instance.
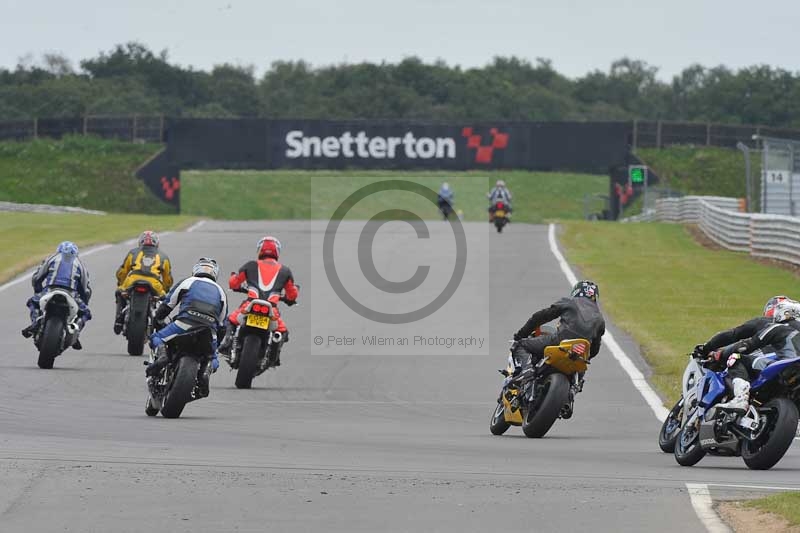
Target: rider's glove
(699, 351)
(716, 355)
(517, 336)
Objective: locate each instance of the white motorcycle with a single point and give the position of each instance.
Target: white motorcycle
(672, 424)
(59, 325)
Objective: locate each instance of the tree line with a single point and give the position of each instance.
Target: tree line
(132, 79)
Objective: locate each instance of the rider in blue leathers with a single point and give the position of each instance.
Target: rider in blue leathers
(445, 198)
(62, 270)
(202, 304)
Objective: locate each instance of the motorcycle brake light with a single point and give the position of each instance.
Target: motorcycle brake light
(256, 308)
(500, 205)
(141, 289)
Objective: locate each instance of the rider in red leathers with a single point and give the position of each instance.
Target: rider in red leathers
(265, 278)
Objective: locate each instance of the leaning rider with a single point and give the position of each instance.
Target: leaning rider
(63, 270)
(145, 263)
(580, 318)
(267, 278)
(777, 340)
(202, 305)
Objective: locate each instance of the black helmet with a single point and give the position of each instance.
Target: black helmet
(586, 289)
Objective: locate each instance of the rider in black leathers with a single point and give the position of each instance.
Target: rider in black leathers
(580, 319)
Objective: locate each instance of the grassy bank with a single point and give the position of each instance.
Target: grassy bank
(28, 237)
(667, 291)
(703, 170)
(538, 196)
(78, 171)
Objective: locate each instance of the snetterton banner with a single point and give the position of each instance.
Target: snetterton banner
(370, 144)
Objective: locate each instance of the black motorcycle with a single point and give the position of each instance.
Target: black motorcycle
(138, 315)
(500, 216)
(445, 208)
(184, 378)
(58, 326)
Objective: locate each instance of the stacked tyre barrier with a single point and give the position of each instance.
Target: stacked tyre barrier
(760, 235)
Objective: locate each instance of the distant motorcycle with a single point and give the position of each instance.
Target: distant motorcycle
(138, 315)
(537, 397)
(256, 342)
(179, 382)
(761, 435)
(445, 208)
(500, 215)
(58, 325)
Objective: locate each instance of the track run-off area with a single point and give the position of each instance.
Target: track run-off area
(367, 426)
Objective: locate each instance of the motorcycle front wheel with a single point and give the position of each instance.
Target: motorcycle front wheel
(541, 416)
(688, 451)
(670, 428)
(781, 426)
(498, 424)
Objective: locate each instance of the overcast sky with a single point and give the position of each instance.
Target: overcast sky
(577, 35)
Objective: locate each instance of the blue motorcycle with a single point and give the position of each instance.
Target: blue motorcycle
(761, 435)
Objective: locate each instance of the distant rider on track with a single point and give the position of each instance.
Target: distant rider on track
(145, 263)
(499, 193)
(268, 278)
(62, 270)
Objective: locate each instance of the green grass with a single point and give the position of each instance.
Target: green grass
(28, 237)
(785, 504)
(703, 170)
(280, 195)
(78, 171)
(667, 291)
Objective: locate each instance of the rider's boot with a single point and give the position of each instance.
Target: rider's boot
(741, 396)
(227, 341)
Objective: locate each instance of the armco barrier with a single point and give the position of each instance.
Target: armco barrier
(771, 236)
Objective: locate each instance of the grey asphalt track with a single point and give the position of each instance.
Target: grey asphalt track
(341, 437)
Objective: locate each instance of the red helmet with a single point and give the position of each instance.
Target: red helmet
(269, 246)
(148, 238)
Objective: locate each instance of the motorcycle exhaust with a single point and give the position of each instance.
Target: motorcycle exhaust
(277, 337)
(72, 327)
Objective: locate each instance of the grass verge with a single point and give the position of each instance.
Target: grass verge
(280, 195)
(785, 504)
(78, 171)
(28, 237)
(669, 292)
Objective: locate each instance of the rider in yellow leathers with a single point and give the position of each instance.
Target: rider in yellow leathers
(143, 263)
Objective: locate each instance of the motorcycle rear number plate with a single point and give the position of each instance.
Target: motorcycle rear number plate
(258, 321)
(500, 213)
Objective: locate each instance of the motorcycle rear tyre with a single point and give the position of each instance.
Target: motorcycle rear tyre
(137, 323)
(180, 393)
(779, 440)
(50, 342)
(539, 421)
(248, 362)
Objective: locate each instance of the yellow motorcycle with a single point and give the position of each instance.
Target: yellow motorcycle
(537, 397)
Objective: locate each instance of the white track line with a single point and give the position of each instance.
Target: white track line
(703, 506)
(194, 226)
(754, 487)
(638, 379)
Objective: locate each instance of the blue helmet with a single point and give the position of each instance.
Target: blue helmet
(67, 247)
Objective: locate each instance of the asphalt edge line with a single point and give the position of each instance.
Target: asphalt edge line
(195, 226)
(700, 497)
(636, 376)
(703, 506)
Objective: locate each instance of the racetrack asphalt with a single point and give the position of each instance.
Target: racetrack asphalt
(342, 437)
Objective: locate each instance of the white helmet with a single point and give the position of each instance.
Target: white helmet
(786, 310)
(500, 183)
(446, 186)
(206, 268)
